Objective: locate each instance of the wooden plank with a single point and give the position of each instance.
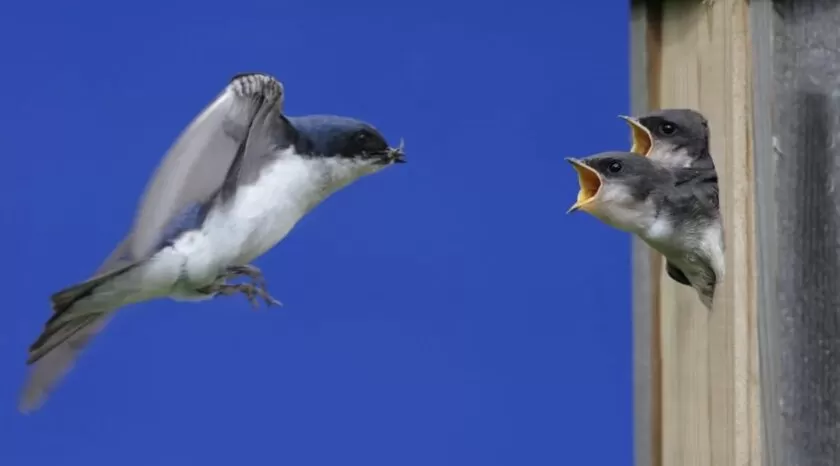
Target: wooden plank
(646, 374)
(805, 372)
(762, 32)
(710, 402)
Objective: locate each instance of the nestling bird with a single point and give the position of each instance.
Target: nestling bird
(673, 137)
(234, 183)
(675, 211)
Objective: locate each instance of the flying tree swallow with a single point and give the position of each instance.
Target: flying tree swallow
(233, 184)
(675, 211)
(673, 137)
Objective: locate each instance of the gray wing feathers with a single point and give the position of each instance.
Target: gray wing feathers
(197, 164)
(698, 186)
(269, 131)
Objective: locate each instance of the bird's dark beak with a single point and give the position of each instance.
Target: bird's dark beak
(590, 183)
(396, 154)
(642, 139)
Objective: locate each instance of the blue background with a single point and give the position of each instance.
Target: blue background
(442, 312)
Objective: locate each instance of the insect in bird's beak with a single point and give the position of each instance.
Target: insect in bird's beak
(396, 154)
(590, 183)
(642, 139)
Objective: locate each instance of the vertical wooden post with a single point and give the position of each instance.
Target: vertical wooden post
(800, 279)
(698, 56)
(766, 235)
(646, 349)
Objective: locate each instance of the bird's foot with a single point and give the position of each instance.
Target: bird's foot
(256, 276)
(251, 291)
(250, 271)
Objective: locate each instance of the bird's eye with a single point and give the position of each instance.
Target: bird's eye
(614, 167)
(369, 142)
(667, 128)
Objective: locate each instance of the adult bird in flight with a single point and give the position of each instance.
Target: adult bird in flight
(236, 181)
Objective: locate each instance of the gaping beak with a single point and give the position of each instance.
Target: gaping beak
(642, 139)
(590, 183)
(396, 154)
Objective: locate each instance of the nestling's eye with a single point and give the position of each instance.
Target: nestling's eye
(614, 167)
(667, 128)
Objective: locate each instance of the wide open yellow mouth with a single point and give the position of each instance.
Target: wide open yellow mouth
(589, 181)
(642, 139)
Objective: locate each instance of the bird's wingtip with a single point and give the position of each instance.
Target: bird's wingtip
(31, 399)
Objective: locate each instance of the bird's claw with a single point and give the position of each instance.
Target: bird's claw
(251, 290)
(249, 271)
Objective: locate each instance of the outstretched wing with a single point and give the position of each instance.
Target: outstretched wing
(209, 151)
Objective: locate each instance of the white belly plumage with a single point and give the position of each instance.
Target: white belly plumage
(257, 217)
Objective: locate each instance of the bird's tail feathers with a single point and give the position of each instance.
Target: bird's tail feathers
(74, 322)
(56, 355)
(63, 299)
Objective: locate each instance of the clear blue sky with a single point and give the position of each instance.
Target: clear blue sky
(442, 312)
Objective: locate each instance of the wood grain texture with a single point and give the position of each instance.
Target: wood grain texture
(802, 344)
(709, 360)
(647, 419)
(762, 18)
